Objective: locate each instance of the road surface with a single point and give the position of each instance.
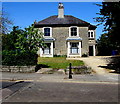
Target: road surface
(18, 87)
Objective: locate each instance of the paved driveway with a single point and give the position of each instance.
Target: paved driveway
(95, 62)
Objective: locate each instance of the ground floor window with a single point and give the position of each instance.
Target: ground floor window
(47, 48)
(74, 48)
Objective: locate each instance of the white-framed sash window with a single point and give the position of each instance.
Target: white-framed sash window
(47, 31)
(74, 48)
(73, 31)
(47, 48)
(91, 34)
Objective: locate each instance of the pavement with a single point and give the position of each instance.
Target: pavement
(112, 78)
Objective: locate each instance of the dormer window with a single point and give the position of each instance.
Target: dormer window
(47, 31)
(73, 31)
(91, 34)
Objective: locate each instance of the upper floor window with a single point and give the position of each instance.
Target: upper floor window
(73, 31)
(91, 34)
(47, 31)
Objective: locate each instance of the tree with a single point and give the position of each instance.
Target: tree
(9, 40)
(30, 40)
(20, 46)
(5, 22)
(110, 18)
(103, 43)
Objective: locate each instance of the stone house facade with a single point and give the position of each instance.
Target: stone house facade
(66, 35)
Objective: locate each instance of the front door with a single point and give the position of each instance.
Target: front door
(90, 50)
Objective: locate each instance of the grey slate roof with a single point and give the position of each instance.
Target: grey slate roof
(66, 21)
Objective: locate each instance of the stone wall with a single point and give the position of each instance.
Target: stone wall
(60, 34)
(16, 69)
(83, 33)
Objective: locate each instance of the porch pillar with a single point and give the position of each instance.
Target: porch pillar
(68, 49)
(41, 52)
(51, 48)
(94, 50)
(80, 49)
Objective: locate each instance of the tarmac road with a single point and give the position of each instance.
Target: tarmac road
(64, 92)
(33, 87)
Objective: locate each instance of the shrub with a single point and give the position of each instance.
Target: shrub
(85, 55)
(13, 58)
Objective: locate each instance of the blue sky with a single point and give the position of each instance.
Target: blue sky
(24, 14)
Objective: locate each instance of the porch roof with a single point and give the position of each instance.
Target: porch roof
(48, 39)
(74, 39)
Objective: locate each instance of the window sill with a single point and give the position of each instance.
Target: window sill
(46, 54)
(91, 38)
(47, 36)
(74, 54)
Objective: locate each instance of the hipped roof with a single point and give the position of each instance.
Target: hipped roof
(68, 20)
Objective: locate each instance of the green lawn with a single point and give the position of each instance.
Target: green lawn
(58, 62)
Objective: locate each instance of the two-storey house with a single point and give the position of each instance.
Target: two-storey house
(66, 35)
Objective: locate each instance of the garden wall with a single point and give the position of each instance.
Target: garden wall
(16, 69)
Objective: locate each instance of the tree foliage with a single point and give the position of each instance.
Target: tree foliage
(9, 40)
(20, 46)
(30, 40)
(109, 16)
(104, 45)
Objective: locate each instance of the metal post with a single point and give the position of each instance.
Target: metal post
(70, 71)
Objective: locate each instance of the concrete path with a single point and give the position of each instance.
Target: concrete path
(95, 62)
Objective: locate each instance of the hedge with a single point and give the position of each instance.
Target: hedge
(12, 58)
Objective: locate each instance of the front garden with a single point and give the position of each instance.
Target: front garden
(58, 62)
(19, 50)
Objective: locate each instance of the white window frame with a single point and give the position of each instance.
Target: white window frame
(51, 51)
(72, 55)
(50, 31)
(49, 48)
(70, 31)
(91, 31)
(71, 48)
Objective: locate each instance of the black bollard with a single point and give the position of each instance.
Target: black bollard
(70, 71)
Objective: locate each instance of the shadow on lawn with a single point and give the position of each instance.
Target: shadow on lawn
(39, 66)
(114, 64)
